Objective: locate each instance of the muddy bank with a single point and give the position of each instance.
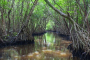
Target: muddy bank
(64, 36)
(38, 34)
(10, 41)
(5, 44)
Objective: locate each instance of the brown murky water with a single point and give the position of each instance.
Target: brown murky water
(46, 47)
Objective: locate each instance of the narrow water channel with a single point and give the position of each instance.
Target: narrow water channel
(46, 47)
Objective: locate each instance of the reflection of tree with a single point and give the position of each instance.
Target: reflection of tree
(10, 54)
(24, 49)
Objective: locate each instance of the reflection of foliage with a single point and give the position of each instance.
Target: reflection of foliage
(10, 54)
(49, 37)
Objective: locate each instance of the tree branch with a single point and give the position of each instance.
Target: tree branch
(27, 19)
(60, 12)
(79, 5)
(58, 5)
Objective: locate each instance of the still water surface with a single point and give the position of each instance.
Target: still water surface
(47, 47)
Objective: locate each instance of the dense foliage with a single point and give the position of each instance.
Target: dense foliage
(25, 17)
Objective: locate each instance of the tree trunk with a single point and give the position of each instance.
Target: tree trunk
(13, 20)
(86, 13)
(3, 22)
(25, 25)
(9, 17)
(21, 14)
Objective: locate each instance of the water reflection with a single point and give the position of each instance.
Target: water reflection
(46, 47)
(9, 54)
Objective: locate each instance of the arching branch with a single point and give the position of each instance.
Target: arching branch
(60, 12)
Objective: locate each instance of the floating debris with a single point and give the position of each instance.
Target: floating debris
(38, 57)
(36, 53)
(47, 51)
(44, 48)
(30, 55)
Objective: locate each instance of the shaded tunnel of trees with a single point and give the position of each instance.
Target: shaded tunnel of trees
(25, 19)
(21, 20)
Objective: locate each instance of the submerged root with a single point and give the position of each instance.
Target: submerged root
(80, 46)
(80, 38)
